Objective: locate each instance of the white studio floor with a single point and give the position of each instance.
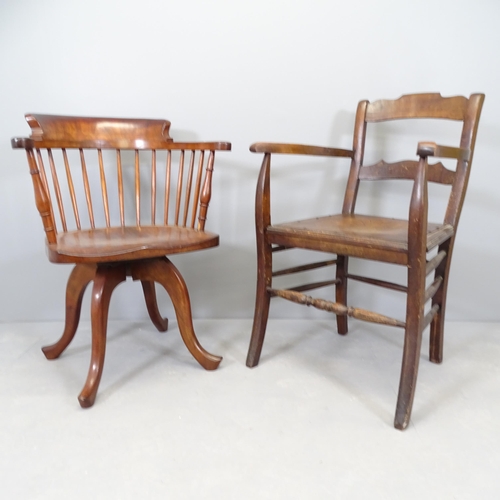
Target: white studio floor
(312, 421)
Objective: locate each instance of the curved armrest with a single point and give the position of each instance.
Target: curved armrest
(299, 149)
(426, 149)
(29, 143)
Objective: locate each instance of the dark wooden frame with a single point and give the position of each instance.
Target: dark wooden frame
(107, 255)
(341, 234)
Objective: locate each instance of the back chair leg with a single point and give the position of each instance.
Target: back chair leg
(437, 324)
(341, 292)
(106, 279)
(166, 274)
(80, 277)
(158, 320)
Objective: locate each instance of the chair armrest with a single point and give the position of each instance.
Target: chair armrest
(426, 149)
(299, 149)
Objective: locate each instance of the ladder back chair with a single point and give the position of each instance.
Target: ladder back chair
(116, 196)
(407, 242)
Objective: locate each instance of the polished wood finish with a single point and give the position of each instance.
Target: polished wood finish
(95, 179)
(405, 242)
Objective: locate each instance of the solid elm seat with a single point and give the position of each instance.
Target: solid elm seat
(128, 243)
(116, 196)
(357, 235)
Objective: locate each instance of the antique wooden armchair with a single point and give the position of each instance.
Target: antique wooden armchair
(404, 242)
(116, 196)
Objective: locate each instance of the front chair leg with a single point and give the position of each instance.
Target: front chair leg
(158, 320)
(80, 277)
(262, 299)
(412, 345)
(166, 274)
(106, 280)
(261, 314)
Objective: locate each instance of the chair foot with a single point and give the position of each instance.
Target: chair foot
(105, 281)
(80, 277)
(149, 290)
(166, 274)
(258, 329)
(408, 381)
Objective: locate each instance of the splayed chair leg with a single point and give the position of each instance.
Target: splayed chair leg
(262, 300)
(412, 345)
(105, 281)
(166, 274)
(158, 320)
(80, 277)
(262, 303)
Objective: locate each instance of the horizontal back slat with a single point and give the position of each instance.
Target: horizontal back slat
(437, 172)
(417, 106)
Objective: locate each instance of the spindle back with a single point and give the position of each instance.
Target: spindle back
(93, 173)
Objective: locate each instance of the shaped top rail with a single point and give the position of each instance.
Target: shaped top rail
(55, 131)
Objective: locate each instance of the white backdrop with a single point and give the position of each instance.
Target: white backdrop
(273, 70)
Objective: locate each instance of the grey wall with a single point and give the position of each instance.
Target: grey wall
(290, 71)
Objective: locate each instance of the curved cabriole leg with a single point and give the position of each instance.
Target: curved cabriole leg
(412, 345)
(166, 274)
(106, 280)
(80, 277)
(341, 292)
(437, 324)
(158, 320)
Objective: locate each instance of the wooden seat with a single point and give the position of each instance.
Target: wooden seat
(116, 196)
(421, 246)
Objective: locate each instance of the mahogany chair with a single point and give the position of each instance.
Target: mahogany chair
(116, 196)
(406, 242)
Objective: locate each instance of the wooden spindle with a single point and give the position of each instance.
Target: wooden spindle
(104, 189)
(42, 199)
(43, 176)
(335, 307)
(120, 187)
(57, 189)
(71, 187)
(197, 188)
(86, 186)
(137, 189)
(381, 283)
(433, 288)
(167, 185)
(206, 193)
(153, 187)
(179, 188)
(434, 262)
(188, 188)
(305, 267)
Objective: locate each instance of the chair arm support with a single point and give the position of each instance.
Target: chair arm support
(299, 149)
(426, 149)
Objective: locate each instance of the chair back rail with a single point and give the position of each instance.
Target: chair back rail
(92, 173)
(421, 106)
